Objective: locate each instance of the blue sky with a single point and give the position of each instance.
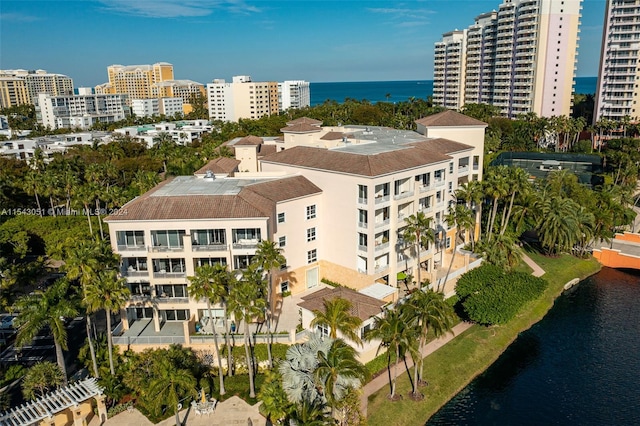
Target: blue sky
(269, 40)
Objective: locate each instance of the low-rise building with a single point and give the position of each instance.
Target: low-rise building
(81, 111)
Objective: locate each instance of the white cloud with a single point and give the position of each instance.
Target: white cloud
(405, 17)
(176, 8)
(18, 17)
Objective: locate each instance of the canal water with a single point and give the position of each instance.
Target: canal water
(580, 365)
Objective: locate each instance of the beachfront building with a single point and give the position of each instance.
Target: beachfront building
(81, 111)
(157, 106)
(293, 94)
(334, 199)
(617, 94)
(183, 89)
(23, 86)
(242, 98)
(135, 81)
(520, 58)
(449, 70)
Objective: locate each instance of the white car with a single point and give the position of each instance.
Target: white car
(7, 322)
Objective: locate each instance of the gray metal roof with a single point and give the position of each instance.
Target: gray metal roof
(191, 185)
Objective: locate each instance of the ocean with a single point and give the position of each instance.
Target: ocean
(397, 91)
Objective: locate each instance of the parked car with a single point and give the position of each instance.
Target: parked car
(7, 322)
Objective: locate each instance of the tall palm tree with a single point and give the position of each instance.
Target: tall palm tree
(337, 371)
(418, 232)
(460, 218)
(496, 187)
(557, 223)
(394, 334)
(429, 311)
(472, 194)
(518, 182)
(32, 185)
(337, 316)
(247, 302)
(204, 286)
(170, 385)
(110, 294)
(269, 256)
(46, 309)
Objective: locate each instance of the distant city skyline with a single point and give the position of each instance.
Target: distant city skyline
(316, 41)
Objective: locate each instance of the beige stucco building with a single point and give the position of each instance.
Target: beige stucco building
(242, 98)
(335, 199)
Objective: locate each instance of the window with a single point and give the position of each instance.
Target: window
(323, 329)
(129, 239)
(281, 217)
(167, 239)
(284, 286)
(312, 256)
(450, 168)
(311, 211)
(364, 330)
(450, 187)
(311, 234)
(282, 241)
(362, 193)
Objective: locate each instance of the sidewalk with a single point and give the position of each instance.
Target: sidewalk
(383, 380)
(537, 271)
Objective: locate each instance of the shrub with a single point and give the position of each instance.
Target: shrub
(331, 283)
(491, 296)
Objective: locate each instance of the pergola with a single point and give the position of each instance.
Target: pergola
(43, 410)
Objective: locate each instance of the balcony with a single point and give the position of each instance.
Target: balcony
(381, 246)
(122, 248)
(463, 169)
(382, 199)
(439, 183)
(209, 247)
(402, 195)
(134, 273)
(363, 200)
(382, 223)
(172, 299)
(245, 244)
(363, 248)
(381, 268)
(363, 225)
(164, 274)
(161, 248)
(140, 298)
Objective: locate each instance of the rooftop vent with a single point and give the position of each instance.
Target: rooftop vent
(209, 175)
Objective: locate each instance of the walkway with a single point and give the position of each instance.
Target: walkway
(383, 379)
(537, 270)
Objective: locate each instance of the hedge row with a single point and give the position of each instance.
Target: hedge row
(491, 296)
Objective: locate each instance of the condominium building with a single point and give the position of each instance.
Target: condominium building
(81, 111)
(334, 199)
(154, 106)
(520, 59)
(293, 94)
(618, 95)
(242, 98)
(35, 82)
(13, 92)
(184, 89)
(449, 70)
(135, 80)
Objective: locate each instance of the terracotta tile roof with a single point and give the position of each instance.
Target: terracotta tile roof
(304, 120)
(284, 189)
(250, 140)
(301, 128)
(267, 150)
(219, 165)
(332, 136)
(357, 164)
(362, 306)
(252, 201)
(449, 118)
(442, 146)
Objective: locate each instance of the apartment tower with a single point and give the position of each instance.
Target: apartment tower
(618, 94)
(23, 86)
(293, 94)
(135, 80)
(520, 58)
(242, 98)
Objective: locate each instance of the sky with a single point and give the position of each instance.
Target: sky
(316, 41)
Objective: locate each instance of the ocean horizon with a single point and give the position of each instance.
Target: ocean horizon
(398, 91)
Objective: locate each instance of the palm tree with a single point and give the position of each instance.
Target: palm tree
(337, 371)
(429, 310)
(460, 218)
(32, 185)
(518, 182)
(204, 286)
(395, 336)
(307, 413)
(170, 385)
(557, 223)
(337, 316)
(247, 302)
(110, 294)
(269, 256)
(418, 232)
(471, 193)
(496, 187)
(46, 309)
(275, 404)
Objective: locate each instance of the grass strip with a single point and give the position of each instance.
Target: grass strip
(455, 365)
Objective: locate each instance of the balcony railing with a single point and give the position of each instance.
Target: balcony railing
(426, 209)
(476, 166)
(381, 268)
(163, 299)
(382, 246)
(131, 248)
(165, 248)
(245, 244)
(161, 274)
(463, 169)
(140, 298)
(209, 247)
(128, 273)
(362, 248)
(439, 183)
(363, 200)
(364, 225)
(148, 340)
(402, 195)
(425, 188)
(382, 199)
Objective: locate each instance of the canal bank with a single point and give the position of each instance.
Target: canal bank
(455, 365)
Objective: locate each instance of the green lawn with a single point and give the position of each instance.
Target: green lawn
(452, 367)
